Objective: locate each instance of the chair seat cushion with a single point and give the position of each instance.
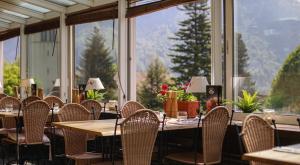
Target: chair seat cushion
(186, 158)
(21, 137)
(85, 156)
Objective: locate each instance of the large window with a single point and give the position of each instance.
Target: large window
(11, 77)
(43, 60)
(267, 52)
(172, 45)
(96, 55)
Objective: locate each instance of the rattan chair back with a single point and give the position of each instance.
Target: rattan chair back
(214, 127)
(54, 100)
(9, 122)
(138, 134)
(75, 141)
(35, 115)
(2, 95)
(93, 104)
(257, 135)
(29, 99)
(130, 107)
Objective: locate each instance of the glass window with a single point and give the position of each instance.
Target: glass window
(43, 63)
(96, 56)
(172, 45)
(267, 52)
(11, 75)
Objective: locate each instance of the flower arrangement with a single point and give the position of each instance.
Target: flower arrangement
(182, 95)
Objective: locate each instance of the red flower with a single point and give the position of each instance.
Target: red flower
(164, 87)
(163, 92)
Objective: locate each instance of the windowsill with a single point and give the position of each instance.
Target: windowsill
(285, 120)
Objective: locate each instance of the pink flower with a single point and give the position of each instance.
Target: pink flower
(164, 87)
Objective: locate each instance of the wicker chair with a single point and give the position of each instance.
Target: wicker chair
(138, 135)
(28, 100)
(257, 135)
(130, 107)
(54, 100)
(33, 133)
(214, 127)
(9, 122)
(90, 105)
(2, 95)
(76, 142)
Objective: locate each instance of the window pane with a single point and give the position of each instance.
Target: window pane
(172, 45)
(267, 49)
(96, 55)
(11, 75)
(44, 60)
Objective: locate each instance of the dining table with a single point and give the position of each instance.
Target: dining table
(106, 127)
(287, 155)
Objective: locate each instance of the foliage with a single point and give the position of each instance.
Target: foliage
(285, 85)
(182, 95)
(11, 76)
(157, 74)
(248, 103)
(192, 51)
(95, 95)
(97, 62)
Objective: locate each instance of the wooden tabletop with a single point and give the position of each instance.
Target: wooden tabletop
(106, 127)
(273, 157)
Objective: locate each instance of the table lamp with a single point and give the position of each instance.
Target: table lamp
(1, 87)
(197, 85)
(94, 84)
(26, 83)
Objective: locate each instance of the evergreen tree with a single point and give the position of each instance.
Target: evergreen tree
(157, 74)
(192, 51)
(243, 60)
(97, 62)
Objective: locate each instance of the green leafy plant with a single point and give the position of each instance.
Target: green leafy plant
(94, 95)
(248, 103)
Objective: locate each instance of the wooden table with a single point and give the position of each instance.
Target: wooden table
(15, 113)
(273, 157)
(106, 127)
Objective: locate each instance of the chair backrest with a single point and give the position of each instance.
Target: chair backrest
(35, 115)
(54, 100)
(257, 134)
(214, 127)
(93, 104)
(138, 134)
(9, 122)
(2, 95)
(75, 142)
(29, 99)
(130, 107)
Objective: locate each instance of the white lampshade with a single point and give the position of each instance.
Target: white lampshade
(27, 82)
(57, 83)
(94, 84)
(1, 85)
(238, 81)
(197, 85)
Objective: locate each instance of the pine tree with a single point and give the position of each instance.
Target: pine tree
(97, 62)
(157, 74)
(192, 51)
(243, 62)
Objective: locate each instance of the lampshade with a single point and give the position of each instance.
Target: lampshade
(94, 84)
(57, 83)
(1, 85)
(27, 82)
(197, 85)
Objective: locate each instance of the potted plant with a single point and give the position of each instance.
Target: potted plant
(186, 101)
(248, 103)
(94, 95)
